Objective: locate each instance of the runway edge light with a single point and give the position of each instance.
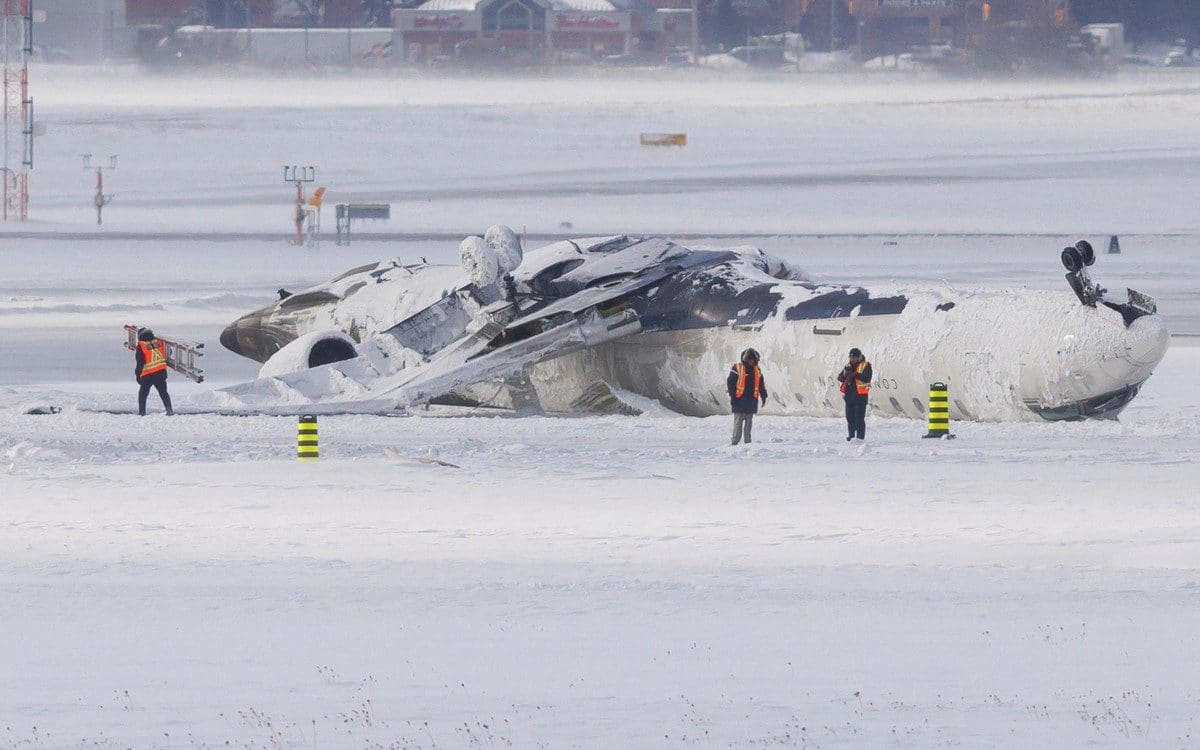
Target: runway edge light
(939, 412)
(306, 439)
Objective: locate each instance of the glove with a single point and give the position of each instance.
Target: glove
(137, 376)
(764, 400)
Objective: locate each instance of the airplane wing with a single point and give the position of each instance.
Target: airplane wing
(460, 341)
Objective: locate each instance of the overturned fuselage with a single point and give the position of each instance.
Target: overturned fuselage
(578, 325)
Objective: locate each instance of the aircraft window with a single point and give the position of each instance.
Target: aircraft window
(308, 299)
(945, 306)
(540, 283)
(352, 271)
(965, 413)
(920, 407)
(799, 398)
(896, 404)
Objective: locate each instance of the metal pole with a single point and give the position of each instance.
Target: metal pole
(299, 175)
(26, 110)
(299, 213)
(100, 200)
(7, 107)
(832, 21)
(695, 33)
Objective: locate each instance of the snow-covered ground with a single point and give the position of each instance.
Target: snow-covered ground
(593, 582)
(765, 155)
(602, 582)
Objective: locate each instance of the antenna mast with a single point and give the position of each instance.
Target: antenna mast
(18, 108)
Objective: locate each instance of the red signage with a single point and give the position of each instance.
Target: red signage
(585, 22)
(438, 22)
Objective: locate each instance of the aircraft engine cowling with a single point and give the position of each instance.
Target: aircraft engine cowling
(485, 259)
(308, 351)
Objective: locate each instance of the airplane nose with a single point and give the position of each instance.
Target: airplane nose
(256, 336)
(251, 337)
(229, 338)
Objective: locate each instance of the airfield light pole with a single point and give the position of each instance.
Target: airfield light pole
(100, 200)
(17, 28)
(832, 21)
(299, 176)
(695, 32)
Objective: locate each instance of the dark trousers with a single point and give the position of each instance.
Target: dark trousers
(159, 381)
(856, 418)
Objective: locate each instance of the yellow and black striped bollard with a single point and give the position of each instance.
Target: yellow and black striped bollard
(306, 439)
(939, 412)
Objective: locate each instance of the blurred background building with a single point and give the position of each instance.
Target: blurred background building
(988, 30)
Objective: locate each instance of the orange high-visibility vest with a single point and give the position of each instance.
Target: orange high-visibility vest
(155, 356)
(861, 388)
(740, 390)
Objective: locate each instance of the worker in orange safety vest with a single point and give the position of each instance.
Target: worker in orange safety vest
(855, 379)
(746, 389)
(150, 369)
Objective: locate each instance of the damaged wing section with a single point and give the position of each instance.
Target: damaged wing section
(388, 377)
(470, 335)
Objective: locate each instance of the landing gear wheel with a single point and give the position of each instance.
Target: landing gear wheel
(1085, 249)
(1072, 259)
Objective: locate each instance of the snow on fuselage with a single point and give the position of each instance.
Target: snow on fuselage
(1003, 355)
(1003, 358)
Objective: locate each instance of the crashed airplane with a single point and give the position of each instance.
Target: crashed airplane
(613, 324)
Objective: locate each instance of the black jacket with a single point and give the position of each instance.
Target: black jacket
(851, 379)
(747, 404)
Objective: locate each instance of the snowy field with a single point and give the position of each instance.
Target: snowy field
(892, 154)
(592, 582)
